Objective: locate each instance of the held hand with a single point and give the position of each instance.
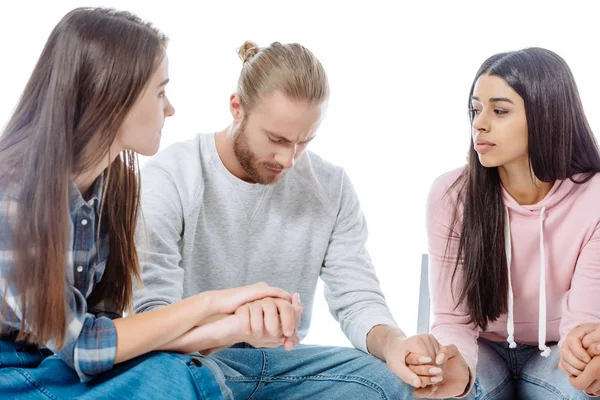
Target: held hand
(270, 322)
(573, 356)
(456, 375)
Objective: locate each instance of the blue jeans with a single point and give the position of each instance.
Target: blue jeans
(308, 372)
(520, 373)
(27, 374)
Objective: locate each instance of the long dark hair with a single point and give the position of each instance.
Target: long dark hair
(92, 69)
(561, 144)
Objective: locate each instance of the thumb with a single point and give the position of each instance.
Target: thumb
(591, 338)
(290, 342)
(594, 350)
(407, 375)
(297, 305)
(445, 353)
(296, 300)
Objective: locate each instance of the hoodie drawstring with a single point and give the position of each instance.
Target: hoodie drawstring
(542, 318)
(510, 324)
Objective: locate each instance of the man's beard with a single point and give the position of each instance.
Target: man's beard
(247, 159)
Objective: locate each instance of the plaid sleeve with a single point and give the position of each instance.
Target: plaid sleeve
(90, 341)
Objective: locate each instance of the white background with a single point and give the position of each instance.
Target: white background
(399, 73)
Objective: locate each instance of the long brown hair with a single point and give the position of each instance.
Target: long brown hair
(561, 145)
(92, 69)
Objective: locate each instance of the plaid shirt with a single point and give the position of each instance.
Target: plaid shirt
(91, 337)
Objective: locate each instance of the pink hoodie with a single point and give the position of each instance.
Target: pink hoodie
(556, 241)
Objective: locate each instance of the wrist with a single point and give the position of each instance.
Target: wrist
(381, 340)
(222, 331)
(207, 305)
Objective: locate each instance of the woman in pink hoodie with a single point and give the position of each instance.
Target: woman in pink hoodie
(514, 238)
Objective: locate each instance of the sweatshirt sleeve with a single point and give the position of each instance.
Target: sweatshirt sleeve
(352, 289)
(450, 323)
(159, 233)
(578, 303)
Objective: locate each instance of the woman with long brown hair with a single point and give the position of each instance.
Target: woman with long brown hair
(69, 195)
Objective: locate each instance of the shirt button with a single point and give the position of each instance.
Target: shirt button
(84, 222)
(80, 268)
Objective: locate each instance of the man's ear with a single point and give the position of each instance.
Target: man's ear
(235, 107)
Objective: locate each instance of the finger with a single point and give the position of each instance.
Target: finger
(427, 393)
(298, 309)
(408, 376)
(579, 382)
(570, 356)
(287, 316)
(594, 350)
(585, 329)
(594, 388)
(560, 366)
(291, 342)
(428, 381)
(425, 370)
(296, 300)
(578, 351)
(585, 379)
(568, 369)
(433, 380)
(298, 312)
(445, 353)
(256, 320)
(271, 317)
(418, 359)
(243, 314)
(590, 338)
(431, 344)
(261, 290)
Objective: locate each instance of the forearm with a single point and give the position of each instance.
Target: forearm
(216, 332)
(141, 333)
(379, 336)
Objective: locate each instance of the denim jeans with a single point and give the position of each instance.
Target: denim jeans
(521, 373)
(308, 372)
(27, 374)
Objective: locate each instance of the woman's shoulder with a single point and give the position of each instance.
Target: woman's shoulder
(441, 185)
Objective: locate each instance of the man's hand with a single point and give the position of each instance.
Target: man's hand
(420, 359)
(270, 322)
(222, 330)
(413, 359)
(387, 343)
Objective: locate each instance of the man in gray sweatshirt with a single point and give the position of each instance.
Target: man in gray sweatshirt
(251, 204)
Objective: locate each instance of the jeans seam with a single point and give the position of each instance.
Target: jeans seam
(543, 384)
(261, 378)
(514, 362)
(32, 381)
(498, 389)
(343, 378)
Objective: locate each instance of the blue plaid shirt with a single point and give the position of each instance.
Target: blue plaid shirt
(91, 337)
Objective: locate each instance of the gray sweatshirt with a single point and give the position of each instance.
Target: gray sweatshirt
(205, 229)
